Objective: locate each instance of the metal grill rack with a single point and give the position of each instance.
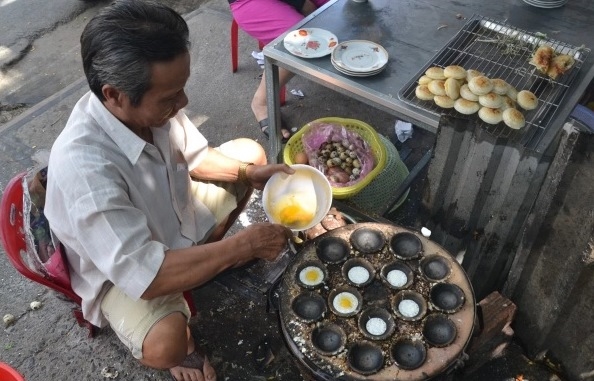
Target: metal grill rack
(501, 51)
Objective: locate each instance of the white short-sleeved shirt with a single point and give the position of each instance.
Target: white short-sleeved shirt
(113, 198)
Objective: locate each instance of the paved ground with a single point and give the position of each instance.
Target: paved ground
(233, 321)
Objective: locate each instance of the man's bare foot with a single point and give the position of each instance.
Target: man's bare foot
(195, 367)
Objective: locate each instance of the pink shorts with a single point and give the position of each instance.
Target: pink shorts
(265, 20)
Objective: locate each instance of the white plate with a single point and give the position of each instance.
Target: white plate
(360, 56)
(357, 74)
(310, 42)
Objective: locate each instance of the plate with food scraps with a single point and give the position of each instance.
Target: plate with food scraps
(360, 56)
(310, 42)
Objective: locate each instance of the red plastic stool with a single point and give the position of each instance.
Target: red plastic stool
(7, 373)
(55, 273)
(235, 55)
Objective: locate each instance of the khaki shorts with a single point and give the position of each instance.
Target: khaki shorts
(132, 319)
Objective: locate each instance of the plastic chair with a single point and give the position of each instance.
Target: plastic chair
(235, 55)
(53, 272)
(8, 373)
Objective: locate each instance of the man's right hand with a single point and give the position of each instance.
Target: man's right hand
(265, 240)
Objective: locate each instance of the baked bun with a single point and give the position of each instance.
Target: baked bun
(422, 92)
(437, 87)
(435, 72)
(454, 71)
(443, 101)
(527, 100)
(490, 115)
(471, 73)
(466, 107)
(507, 103)
(490, 100)
(480, 85)
(513, 118)
(467, 94)
(500, 86)
(424, 80)
(452, 88)
(512, 93)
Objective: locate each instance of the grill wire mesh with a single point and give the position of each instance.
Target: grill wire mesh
(501, 51)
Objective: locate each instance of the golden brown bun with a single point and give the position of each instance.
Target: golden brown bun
(422, 92)
(467, 94)
(490, 115)
(500, 86)
(513, 118)
(507, 103)
(490, 100)
(454, 71)
(424, 80)
(466, 107)
(541, 59)
(480, 85)
(443, 101)
(452, 88)
(512, 93)
(527, 100)
(435, 72)
(471, 73)
(437, 87)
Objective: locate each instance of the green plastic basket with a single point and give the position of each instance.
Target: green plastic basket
(379, 192)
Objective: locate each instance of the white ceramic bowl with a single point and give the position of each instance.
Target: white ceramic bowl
(298, 201)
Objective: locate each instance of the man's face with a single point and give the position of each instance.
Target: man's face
(165, 97)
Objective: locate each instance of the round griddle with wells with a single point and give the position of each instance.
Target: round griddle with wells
(393, 305)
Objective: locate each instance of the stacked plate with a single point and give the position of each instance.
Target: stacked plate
(546, 3)
(359, 58)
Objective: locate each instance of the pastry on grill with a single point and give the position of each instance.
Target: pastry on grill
(480, 85)
(490, 115)
(513, 118)
(507, 102)
(424, 80)
(422, 92)
(490, 100)
(527, 100)
(500, 86)
(452, 88)
(435, 72)
(467, 94)
(443, 101)
(466, 107)
(512, 93)
(437, 87)
(454, 71)
(559, 65)
(541, 59)
(471, 73)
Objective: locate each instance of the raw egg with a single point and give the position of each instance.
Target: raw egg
(345, 303)
(293, 211)
(311, 276)
(301, 158)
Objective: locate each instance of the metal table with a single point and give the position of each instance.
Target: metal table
(413, 31)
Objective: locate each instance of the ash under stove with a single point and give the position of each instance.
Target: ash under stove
(372, 301)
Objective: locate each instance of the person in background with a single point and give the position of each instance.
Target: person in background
(265, 20)
(137, 197)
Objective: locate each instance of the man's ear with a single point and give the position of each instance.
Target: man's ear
(113, 97)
